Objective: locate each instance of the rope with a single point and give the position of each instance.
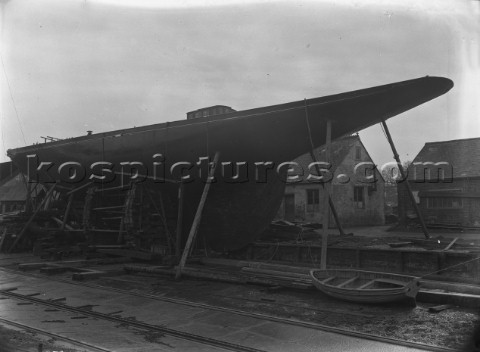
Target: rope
(312, 148)
(459, 264)
(274, 252)
(13, 101)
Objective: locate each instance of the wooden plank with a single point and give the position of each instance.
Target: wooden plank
(451, 244)
(178, 243)
(31, 266)
(196, 220)
(391, 281)
(50, 269)
(85, 275)
(275, 273)
(259, 265)
(437, 309)
(112, 188)
(399, 244)
(62, 224)
(108, 208)
(366, 285)
(130, 253)
(326, 281)
(79, 188)
(349, 281)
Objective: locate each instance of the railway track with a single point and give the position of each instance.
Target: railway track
(58, 337)
(124, 321)
(198, 338)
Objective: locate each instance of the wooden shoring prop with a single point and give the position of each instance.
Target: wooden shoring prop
(178, 233)
(127, 221)
(312, 155)
(197, 218)
(163, 217)
(404, 177)
(2, 239)
(27, 224)
(28, 196)
(326, 197)
(79, 188)
(87, 208)
(67, 211)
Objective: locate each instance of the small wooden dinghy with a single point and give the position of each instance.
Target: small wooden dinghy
(365, 286)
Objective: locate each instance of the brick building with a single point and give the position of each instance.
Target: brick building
(358, 193)
(445, 180)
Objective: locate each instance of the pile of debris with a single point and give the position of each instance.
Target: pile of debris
(285, 231)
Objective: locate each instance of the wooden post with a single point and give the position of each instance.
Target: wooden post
(87, 208)
(67, 211)
(196, 220)
(326, 204)
(28, 198)
(312, 154)
(404, 177)
(178, 244)
(335, 214)
(20, 235)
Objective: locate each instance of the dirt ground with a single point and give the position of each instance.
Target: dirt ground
(449, 328)
(17, 340)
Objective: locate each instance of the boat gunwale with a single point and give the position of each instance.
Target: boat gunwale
(241, 114)
(396, 290)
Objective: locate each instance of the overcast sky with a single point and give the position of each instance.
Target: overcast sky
(69, 66)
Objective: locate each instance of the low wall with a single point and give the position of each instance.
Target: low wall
(396, 260)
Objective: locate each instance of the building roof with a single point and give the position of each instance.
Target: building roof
(7, 169)
(14, 189)
(339, 150)
(462, 154)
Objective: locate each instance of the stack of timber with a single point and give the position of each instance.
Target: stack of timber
(236, 272)
(263, 273)
(282, 230)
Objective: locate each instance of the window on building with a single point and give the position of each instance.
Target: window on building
(313, 200)
(358, 153)
(444, 202)
(359, 197)
(441, 174)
